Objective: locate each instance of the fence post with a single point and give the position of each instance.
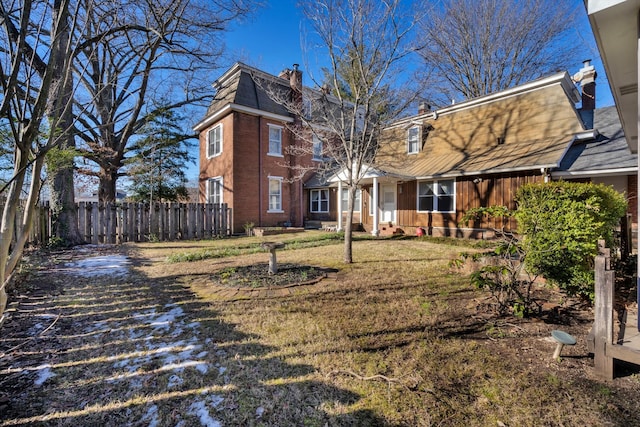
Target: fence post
(603, 323)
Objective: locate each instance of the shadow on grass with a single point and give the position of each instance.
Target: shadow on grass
(140, 351)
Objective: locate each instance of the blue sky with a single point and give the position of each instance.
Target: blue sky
(271, 41)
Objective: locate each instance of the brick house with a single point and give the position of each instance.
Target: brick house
(430, 168)
(244, 149)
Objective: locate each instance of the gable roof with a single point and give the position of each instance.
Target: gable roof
(238, 90)
(524, 128)
(606, 153)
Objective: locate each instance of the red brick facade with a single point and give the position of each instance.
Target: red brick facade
(246, 167)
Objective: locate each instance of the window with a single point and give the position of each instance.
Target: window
(356, 202)
(413, 139)
(317, 148)
(275, 194)
(214, 190)
(214, 141)
(275, 140)
(320, 200)
(436, 196)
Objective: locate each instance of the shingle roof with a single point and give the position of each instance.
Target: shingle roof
(522, 131)
(609, 151)
(248, 87)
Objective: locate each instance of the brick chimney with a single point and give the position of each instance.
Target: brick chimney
(586, 76)
(423, 107)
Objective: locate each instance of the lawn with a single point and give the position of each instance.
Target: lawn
(396, 338)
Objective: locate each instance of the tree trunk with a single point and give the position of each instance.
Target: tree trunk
(7, 225)
(348, 231)
(64, 215)
(107, 187)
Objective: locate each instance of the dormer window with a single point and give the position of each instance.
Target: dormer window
(413, 139)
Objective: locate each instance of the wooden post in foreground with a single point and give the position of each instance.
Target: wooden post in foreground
(603, 324)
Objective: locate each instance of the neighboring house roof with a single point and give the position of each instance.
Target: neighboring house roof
(244, 88)
(524, 128)
(607, 153)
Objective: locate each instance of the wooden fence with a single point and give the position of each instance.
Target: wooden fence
(141, 222)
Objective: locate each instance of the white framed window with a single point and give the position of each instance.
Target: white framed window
(214, 141)
(275, 194)
(357, 203)
(275, 140)
(319, 200)
(317, 149)
(436, 196)
(214, 190)
(413, 138)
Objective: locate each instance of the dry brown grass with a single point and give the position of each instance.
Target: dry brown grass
(397, 338)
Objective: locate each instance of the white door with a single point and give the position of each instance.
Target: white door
(388, 203)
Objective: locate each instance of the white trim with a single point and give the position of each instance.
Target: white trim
(376, 211)
(417, 150)
(271, 126)
(487, 172)
(279, 179)
(603, 172)
(208, 142)
(319, 190)
(394, 211)
(436, 195)
(218, 179)
(242, 109)
(358, 207)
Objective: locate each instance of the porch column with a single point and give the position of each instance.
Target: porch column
(339, 209)
(375, 209)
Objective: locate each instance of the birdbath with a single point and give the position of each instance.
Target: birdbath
(562, 338)
(272, 246)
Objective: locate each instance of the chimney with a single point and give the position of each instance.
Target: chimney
(284, 74)
(586, 76)
(295, 82)
(423, 107)
(295, 78)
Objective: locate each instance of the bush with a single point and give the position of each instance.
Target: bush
(560, 224)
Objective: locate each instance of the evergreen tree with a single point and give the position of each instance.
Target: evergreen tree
(157, 160)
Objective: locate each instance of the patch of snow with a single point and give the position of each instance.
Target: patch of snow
(151, 416)
(106, 265)
(166, 319)
(199, 409)
(44, 374)
(174, 381)
(179, 367)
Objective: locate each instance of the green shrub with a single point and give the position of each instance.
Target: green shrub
(560, 224)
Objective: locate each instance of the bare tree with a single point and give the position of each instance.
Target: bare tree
(163, 49)
(477, 47)
(367, 43)
(34, 73)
